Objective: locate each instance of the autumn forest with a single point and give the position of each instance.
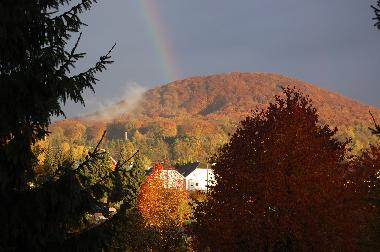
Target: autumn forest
(240, 161)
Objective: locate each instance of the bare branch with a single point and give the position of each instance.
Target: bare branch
(92, 154)
(376, 130)
(124, 162)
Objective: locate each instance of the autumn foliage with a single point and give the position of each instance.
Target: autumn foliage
(160, 205)
(283, 185)
(188, 120)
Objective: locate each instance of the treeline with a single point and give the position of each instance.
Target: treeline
(157, 140)
(177, 139)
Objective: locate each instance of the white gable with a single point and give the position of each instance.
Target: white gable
(199, 179)
(172, 178)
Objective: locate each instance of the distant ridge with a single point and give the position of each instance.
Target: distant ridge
(189, 119)
(235, 94)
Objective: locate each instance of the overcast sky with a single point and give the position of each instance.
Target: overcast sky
(330, 43)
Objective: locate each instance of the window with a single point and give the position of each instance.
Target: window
(196, 184)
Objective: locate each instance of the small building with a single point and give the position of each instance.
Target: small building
(170, 177)
(197, 176)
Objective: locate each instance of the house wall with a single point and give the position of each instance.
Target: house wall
(172, 179)
(197, 180)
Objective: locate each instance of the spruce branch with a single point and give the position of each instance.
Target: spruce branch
(99, 66)
(72, 55)
(78, 8)
(74, 85)
(88, 159)
(93, 154)
(376, 10)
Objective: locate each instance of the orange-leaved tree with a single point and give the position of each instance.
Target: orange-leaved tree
(283, 185)
(162, 201)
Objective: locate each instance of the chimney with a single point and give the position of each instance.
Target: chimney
(126, 136)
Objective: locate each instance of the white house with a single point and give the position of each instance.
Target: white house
(197, 176)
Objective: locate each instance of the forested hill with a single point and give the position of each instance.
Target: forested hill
(188, 119)
(234, 94)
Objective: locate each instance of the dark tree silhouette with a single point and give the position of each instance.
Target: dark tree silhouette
(283, 185)
(376, 9)
(376, 127)
(36, 77)
(369, 161)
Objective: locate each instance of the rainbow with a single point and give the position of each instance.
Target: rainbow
(160, 39)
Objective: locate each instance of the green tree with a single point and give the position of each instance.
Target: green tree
(124, 231)
(154, 147)
(35, 67)
(36, 77)
(187, 149)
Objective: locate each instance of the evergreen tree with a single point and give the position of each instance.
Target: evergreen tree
(36, 77)
(124, 231)
(376, 10)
